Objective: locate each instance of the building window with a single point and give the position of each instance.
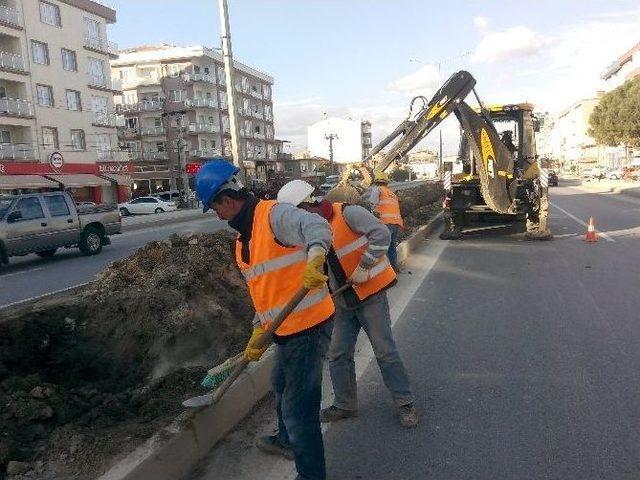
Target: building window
(131, 123)
(69, 61)
(206, 70)
(50, 138)
(91, 28)
(157, 122)
(174, 70)
(50, 14)
(99, 104)
(160, 146)
(77, 140)
(176, 95)
(40, 52)
(213, 144)
(73, 100)
(44, 94)
(96, 72)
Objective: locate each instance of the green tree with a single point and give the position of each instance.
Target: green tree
(399, 174)
(616, 120)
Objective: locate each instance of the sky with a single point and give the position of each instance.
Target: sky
(366, 59)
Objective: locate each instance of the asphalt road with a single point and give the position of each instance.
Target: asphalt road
(524, 358)
(31, 276)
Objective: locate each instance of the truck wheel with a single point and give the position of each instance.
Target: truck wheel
(159, 210)
(91, 241)
(47, 253)
(124, 212)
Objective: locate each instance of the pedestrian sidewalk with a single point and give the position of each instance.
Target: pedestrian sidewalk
(631, 189)
(136, 222)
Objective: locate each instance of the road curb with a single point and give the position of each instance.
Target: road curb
(174, 451)
(164, 221)
(628, 191)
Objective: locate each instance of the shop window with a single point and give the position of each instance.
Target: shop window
(30, 208)
(57, 205)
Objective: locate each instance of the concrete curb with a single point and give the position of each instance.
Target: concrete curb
(173, 452)
(625, 190)
(196, 215)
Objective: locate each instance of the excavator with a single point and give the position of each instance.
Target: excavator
(498, 178)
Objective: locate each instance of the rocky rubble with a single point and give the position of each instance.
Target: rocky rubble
(89, 376)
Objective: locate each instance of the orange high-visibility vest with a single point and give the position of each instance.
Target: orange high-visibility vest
(349, 247)
(274, 275)
(388, 208)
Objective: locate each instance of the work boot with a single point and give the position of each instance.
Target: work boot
(408, 416)
(273, 446)
(333, 414)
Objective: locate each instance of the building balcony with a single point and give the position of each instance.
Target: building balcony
(12, 61)
(106, 119)
(256, 115)
(99, 82)
(153, 156)
(10, 16)
(153, 131)
(17, 151)
(209, 152)
(203, 128)
(130, 133)
(144, 106)
(101, 45)
(198, 77)
(255, 93)
(201, 103)
(16, 107)
(113, 156)
(284, 156)
(259, 135)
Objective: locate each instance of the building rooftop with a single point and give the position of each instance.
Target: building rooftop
(97, 7)
(164, 53)
(612, 69)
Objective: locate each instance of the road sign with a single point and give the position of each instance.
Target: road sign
(56, 160)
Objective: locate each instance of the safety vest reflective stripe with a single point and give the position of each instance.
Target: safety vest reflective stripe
(275, 264)
(386, 202)
(380, 267)
(309, 301)
(390, 215)
(352, 247)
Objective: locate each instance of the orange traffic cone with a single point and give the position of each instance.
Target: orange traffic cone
(591, 231)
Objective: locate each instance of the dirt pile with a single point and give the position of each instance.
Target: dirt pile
(89, 376)
(418, 205)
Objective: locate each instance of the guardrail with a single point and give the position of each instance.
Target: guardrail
(101, 44)
(10, 15)
(12, 61)
(16, 106)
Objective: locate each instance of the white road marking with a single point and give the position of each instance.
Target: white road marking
(584, 224)
(21, 272)
(48, 294)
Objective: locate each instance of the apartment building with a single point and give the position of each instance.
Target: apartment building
(175, 104)
(349, 139)
(57, 116)
(625, 67)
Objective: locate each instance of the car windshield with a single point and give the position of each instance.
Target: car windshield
(5, 204)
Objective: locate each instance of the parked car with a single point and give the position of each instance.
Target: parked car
(169, 195)
(146, 205)
(41, 223)
(553, 178)
(615, 174)
(85, 204)
(329, 182)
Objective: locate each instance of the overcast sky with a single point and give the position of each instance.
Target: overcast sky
(367, 58)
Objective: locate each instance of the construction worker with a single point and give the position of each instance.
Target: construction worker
(360, 242)
(385, 204)
(279, 250)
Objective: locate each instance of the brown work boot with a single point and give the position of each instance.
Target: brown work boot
(333, 414)
(409, 416)
(272, 445)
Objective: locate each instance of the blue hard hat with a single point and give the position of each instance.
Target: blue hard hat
(211, 176)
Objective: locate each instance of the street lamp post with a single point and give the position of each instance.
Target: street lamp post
(331, 137)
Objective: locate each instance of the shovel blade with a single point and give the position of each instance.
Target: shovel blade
(200, 401)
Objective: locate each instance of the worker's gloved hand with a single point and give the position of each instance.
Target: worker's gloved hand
(313, 276)
(359, 275)
(252, 352)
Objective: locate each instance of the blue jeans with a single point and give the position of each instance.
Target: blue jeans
(392, 253)
(373, 316)
(297, 383)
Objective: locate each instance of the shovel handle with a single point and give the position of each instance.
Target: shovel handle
(265, 340)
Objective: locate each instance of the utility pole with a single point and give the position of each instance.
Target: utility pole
(331, 137)
(234, 123)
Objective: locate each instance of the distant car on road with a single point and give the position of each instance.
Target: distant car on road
(615, 174)
(553, 178)
(168, 196)
(146, 205)
(329, 182)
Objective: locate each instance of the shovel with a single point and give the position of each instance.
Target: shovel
(241, 363)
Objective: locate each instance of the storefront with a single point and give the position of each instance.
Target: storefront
(86, 182)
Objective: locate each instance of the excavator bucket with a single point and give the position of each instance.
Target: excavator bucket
(494, 162)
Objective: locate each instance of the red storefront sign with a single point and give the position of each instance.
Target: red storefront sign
(193, 168)
(121, 168)
(26, 168)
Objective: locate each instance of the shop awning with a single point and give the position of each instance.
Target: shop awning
(79, 180)
(119, 179)
(13, 182)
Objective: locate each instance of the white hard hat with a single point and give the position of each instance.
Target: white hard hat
(296, 192)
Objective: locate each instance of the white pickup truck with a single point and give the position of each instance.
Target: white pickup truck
(41, 223)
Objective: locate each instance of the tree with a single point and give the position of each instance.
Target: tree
(399, 174)
(616, 120)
